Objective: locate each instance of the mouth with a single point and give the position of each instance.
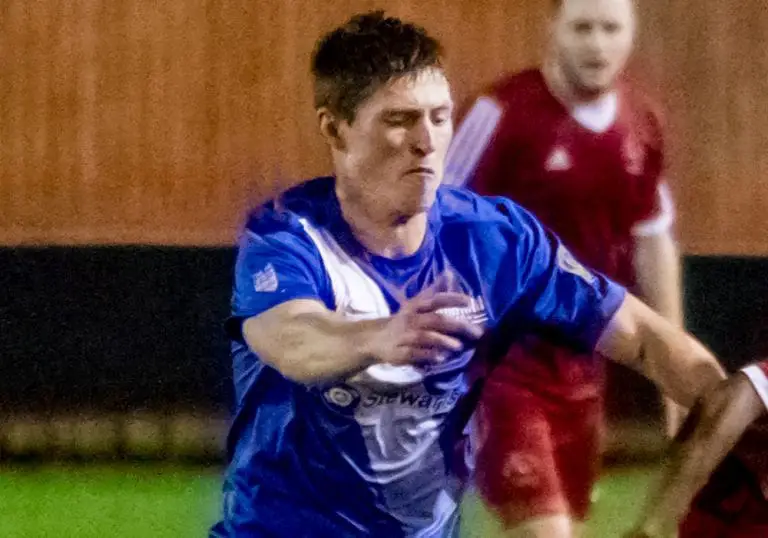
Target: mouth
(595, 65)
(421, 171)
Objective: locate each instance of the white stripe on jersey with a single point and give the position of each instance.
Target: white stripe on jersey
(400, 416)
(357, 296)
(471, 141)
(759, 381)
(662, 221)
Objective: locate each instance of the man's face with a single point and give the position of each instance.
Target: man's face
(593, 40)
(393, 152)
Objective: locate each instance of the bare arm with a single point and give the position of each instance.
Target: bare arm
(674, 360)
(657, 259)
(308, 343)
(712, 430)
(657, 266)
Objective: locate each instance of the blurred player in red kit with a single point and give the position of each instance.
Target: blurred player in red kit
(727, 432)
(581, 148)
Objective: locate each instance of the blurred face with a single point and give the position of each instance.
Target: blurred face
(592, 41)
(391, 156)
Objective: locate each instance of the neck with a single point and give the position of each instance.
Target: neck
(390, 236)
(565, 92)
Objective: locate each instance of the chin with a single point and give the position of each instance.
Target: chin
(599, 84)
(408, 211)
(428, 199)
(415, 210)
(595, 88)
(415, 201)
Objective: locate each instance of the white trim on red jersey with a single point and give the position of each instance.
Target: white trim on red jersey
(599, 115)
(759, 380)
(471, 140)
(475, 134)
(662, 221)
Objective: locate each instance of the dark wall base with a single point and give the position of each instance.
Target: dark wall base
(113, 329)
(139, 328)
(726, 307)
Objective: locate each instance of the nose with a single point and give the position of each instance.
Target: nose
(597, 40)
(424, 137)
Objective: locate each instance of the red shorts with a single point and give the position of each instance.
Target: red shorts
(729, 506)
(536, 456)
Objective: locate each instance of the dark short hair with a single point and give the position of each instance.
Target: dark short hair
(353, 61)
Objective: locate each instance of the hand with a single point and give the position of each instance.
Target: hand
(419, 332)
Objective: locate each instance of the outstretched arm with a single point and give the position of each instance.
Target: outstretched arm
(674, 360)
(308, 343)
(657, 266)
(714, 426)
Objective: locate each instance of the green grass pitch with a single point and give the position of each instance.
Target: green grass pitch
(163, 501)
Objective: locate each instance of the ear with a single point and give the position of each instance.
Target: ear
(330, 128)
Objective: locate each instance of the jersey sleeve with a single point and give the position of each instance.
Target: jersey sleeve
(655, 212)
(276, 262)
(658, 214)
(473, 159)
(556, 296)
(758, 376)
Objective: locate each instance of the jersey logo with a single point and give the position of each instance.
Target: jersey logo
(266, 279)
(568, 263)
(559, 160)
(634, 156)
(342, 398)
(474, 313)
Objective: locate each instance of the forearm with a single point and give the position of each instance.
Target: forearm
(680, 366)
(709, 434)
(312, 347)
(310, 344)
(683, 474)
(657, 267)
(675, 361)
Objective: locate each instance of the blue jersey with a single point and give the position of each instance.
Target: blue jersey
(372, 455)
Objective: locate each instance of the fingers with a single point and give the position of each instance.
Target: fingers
(428, 331)
(444, 324)
(441, 343)
(421, 343)
(436, 301)
(435, 337)
(426, 355)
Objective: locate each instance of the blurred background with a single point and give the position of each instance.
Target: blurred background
(134, 134)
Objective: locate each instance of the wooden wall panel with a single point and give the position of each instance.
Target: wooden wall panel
(159, 122)
(709, 62)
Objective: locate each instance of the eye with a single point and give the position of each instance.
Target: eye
(441, 118)
(582, 27)
(441, 115)
(397, 119)
(611, 27)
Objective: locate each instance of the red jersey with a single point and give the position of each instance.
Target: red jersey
(591, 174)
(752, 449)
(734, 502)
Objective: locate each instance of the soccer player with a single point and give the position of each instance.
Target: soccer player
(581, 148)
(727, 433)
(358, 300)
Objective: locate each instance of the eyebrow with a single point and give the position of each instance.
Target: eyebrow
(414, 109)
